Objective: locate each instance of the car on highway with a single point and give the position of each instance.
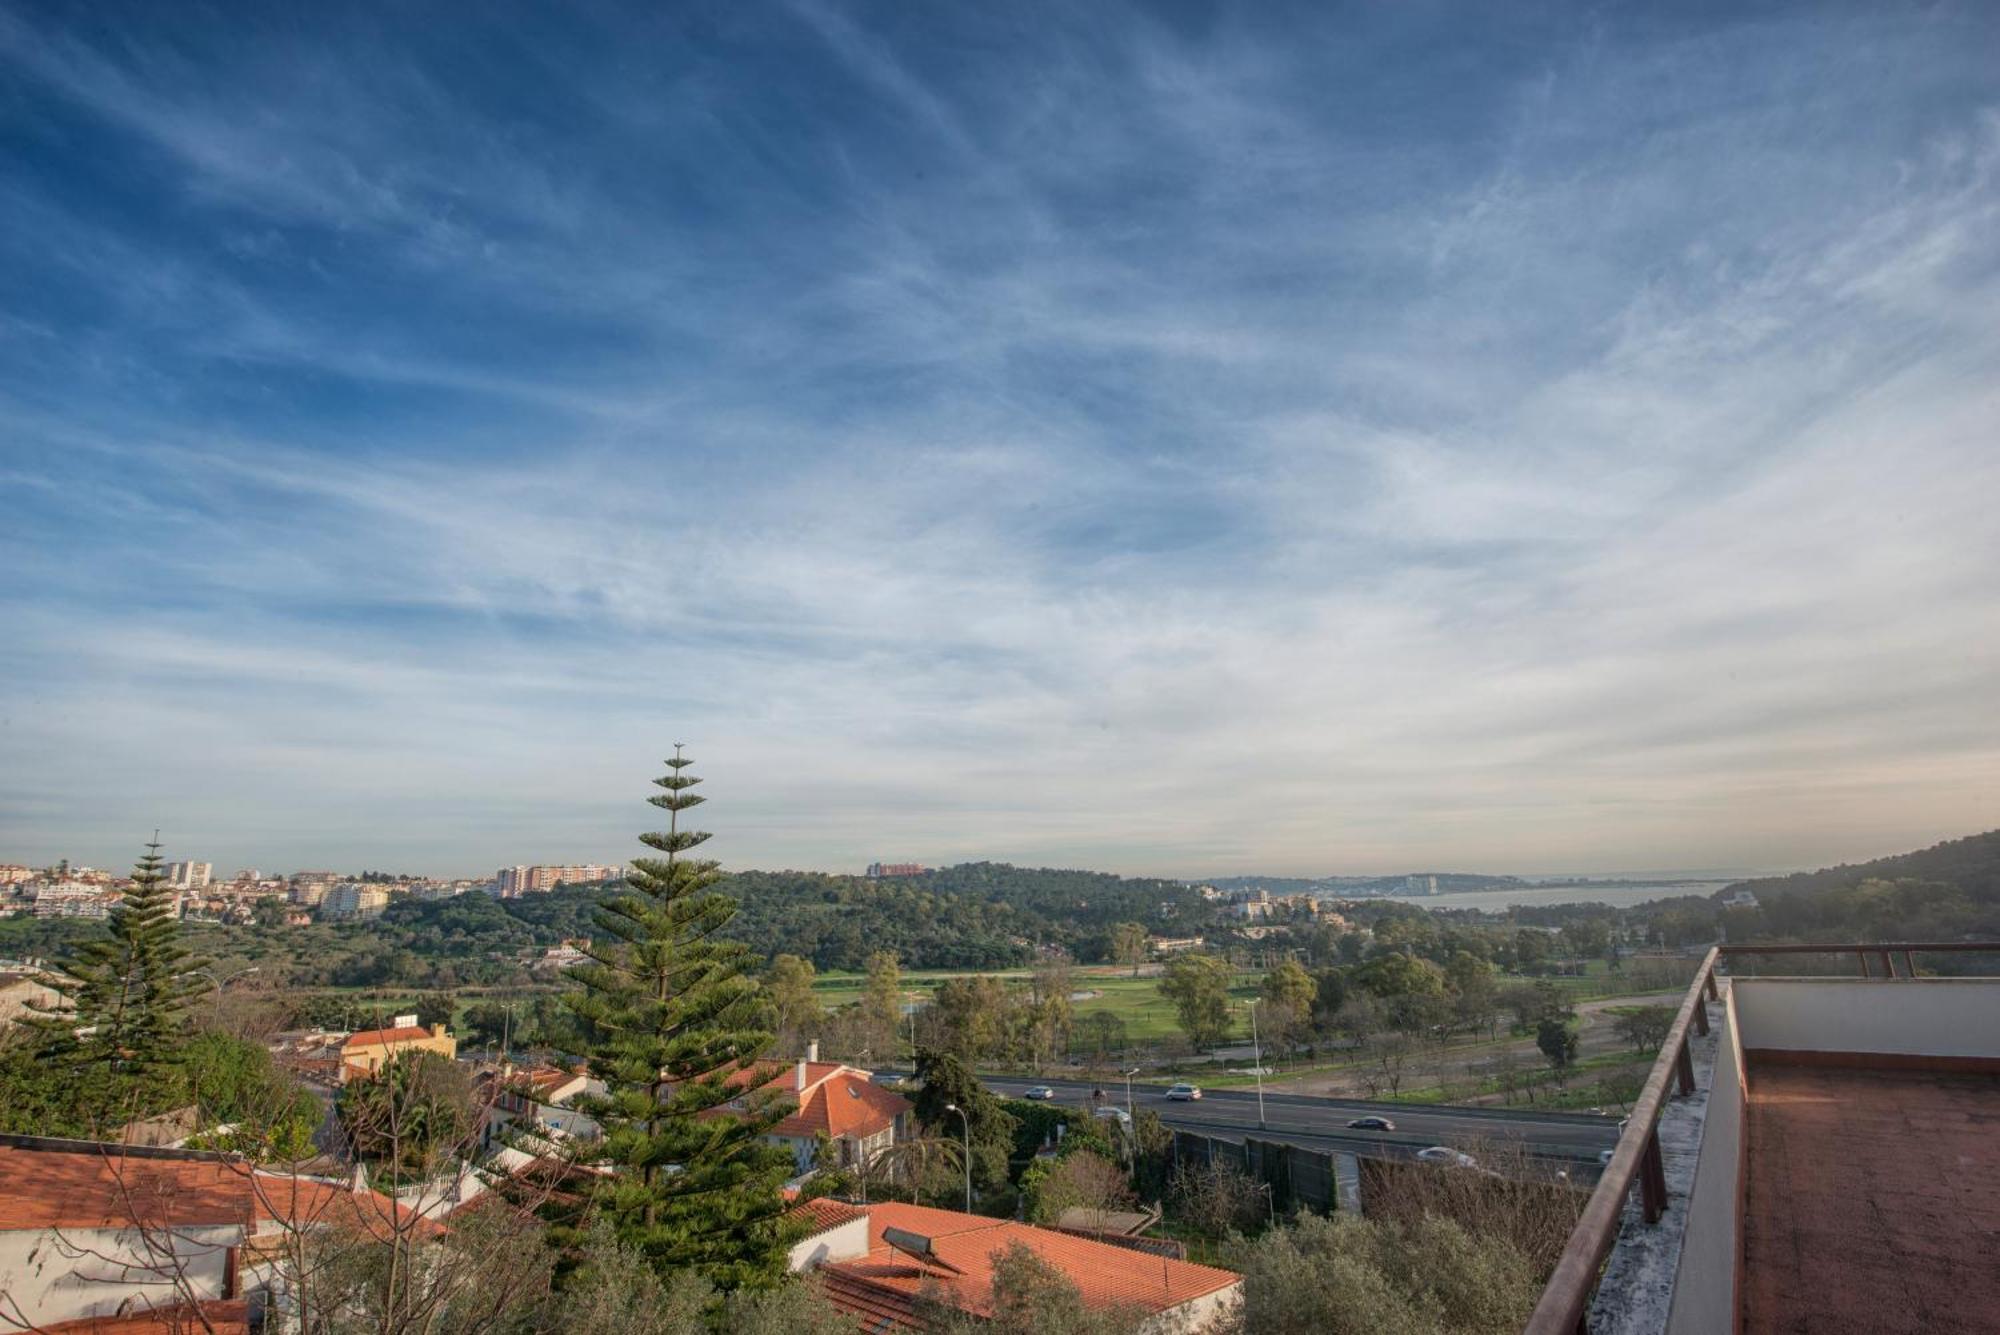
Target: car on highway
(1038, 1092)
(1118, 1115)
(1183, 1092)
(1371, 1124)
(1444, 1154)
(1604, 1158)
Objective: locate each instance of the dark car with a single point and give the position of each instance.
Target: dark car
(1371, 1124)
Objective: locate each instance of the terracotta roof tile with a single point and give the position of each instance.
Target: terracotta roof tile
(82, 1184)
(847, 1104)
(826, 1213)
(227, 1317)
(376, 1038)
(884, 1285)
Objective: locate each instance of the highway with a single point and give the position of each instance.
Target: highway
(1568, 1140)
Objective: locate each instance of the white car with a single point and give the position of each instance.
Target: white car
(1040, 1092)
(1183, 1092)
(1446, 1155)
(1118, 1115)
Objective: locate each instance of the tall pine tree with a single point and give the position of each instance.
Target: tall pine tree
(671, 1013)
(126, 995)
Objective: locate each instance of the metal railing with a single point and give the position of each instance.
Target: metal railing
(1564, 1308)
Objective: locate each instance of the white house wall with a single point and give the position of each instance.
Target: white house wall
(51, 1275)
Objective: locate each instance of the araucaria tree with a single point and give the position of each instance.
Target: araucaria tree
(126, 995)
(670, 1012)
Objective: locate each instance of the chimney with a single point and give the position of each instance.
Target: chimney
(802, 1076)
(437, 1031)
(812, 1051)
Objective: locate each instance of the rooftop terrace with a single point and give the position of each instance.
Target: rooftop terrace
(1810, 1154)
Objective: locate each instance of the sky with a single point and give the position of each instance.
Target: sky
(1206, 439)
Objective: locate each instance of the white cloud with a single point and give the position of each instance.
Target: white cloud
(1009, 523)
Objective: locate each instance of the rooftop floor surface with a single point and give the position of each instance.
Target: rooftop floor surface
(1872, 1202)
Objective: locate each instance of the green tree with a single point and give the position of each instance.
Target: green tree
(1102, 1033)
(667, 1008)
(1289, 993)
(1079, 1179)
(973, 1017)
(1473, 990)
(490, 1023)
(881, 1005)
(1557, 1039)
(799, 1015)
(435, 1008)
(1645, 1027)
(1346, 1275)
(1397, 975)
(945, 1081)
(1051, 1012)
(413, 1115)
(125, 996)
(1198, 987)
(1128, 945)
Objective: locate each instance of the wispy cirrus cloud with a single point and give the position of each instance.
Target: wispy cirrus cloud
(1305, 442)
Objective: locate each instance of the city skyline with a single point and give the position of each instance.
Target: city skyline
(1177, 440)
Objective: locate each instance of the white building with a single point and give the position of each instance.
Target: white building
(354, 900)
(102, 1231)
(190, 875)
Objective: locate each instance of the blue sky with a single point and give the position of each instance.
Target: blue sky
(1177, 439)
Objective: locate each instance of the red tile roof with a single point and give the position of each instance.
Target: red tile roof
(780, 1076)
(81, 1184)
(883, 1286)
(376, 1038)
(847, 1104)
(826, 1213)
(228, 1317)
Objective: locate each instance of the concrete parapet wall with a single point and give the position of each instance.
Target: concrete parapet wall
(1896, 1017)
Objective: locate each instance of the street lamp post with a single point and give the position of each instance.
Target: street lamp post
(1257, 1056)
(953, 1107)
(210, 974)
(1128, 1092)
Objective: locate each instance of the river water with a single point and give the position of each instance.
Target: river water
(1540, 896)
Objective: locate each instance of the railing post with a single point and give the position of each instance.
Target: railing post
(1862, 955)
(1713, 994)
(1700, 1016)
(1909, 964)
(1653, 1179)
(1888, 964)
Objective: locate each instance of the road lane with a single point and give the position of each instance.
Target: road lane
(1573, 1138)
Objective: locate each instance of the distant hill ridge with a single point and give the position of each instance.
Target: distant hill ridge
(1972, 864)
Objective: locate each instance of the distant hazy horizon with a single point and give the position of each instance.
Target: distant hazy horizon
(1163, 438)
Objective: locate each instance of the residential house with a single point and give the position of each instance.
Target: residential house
(91, 1232)
(875, 1260)
(536, 1100)
(362, 1054)
(831, 1099)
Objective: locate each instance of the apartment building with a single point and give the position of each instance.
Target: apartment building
(512, 882)
(352, 899)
